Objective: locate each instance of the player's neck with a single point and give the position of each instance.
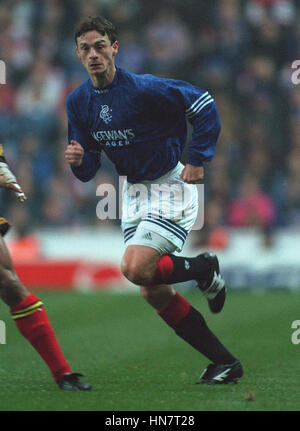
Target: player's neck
(103, 79)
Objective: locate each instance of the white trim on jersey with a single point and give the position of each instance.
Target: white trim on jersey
(198, 105)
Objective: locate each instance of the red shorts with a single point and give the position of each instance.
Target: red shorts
(4, 226)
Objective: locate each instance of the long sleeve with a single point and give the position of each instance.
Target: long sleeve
(87, 170)
(201, 111)
(91, 161)
(206, 124)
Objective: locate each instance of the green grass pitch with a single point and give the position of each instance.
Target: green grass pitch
(136, 363)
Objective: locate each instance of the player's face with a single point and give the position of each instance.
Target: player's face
(96, 52)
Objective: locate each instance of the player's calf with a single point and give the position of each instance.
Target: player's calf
(158, 296)
(31, 319)
(32, 322)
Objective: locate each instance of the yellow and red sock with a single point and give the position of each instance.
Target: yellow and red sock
(33, 323)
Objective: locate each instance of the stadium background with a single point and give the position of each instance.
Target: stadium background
(240, 51)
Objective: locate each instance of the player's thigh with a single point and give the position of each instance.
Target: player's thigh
(144, 249)
(12, 290)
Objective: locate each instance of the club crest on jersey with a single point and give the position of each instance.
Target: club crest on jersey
(105, 114)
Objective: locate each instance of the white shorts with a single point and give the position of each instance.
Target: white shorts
(159, 213)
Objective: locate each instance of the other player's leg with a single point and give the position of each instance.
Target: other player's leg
(32, 321)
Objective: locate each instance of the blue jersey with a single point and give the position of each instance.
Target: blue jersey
(140, 122)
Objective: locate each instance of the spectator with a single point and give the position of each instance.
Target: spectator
(168, 41)
(252, 207)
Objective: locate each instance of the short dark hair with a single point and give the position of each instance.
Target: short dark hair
(99, 24)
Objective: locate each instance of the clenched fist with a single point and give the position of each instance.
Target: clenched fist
(74, 153)
(192, 174)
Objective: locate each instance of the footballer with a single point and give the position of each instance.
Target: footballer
(26, 309)
(139, 122)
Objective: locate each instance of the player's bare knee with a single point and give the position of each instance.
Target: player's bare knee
(11, 289)
(137, 273)
(8, 278)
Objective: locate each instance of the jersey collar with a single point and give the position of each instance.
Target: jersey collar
(107, 87)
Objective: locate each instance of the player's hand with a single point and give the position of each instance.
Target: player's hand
(9, 181)
(18, 191)
(192, 174)
(74, 153)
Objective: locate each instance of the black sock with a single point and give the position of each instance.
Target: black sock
(175, 269)
(194, 330)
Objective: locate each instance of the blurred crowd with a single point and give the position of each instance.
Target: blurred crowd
(240, 50)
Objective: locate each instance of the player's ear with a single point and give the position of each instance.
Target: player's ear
(115, 46)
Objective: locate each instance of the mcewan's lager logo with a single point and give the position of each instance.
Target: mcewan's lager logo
(114, 138)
